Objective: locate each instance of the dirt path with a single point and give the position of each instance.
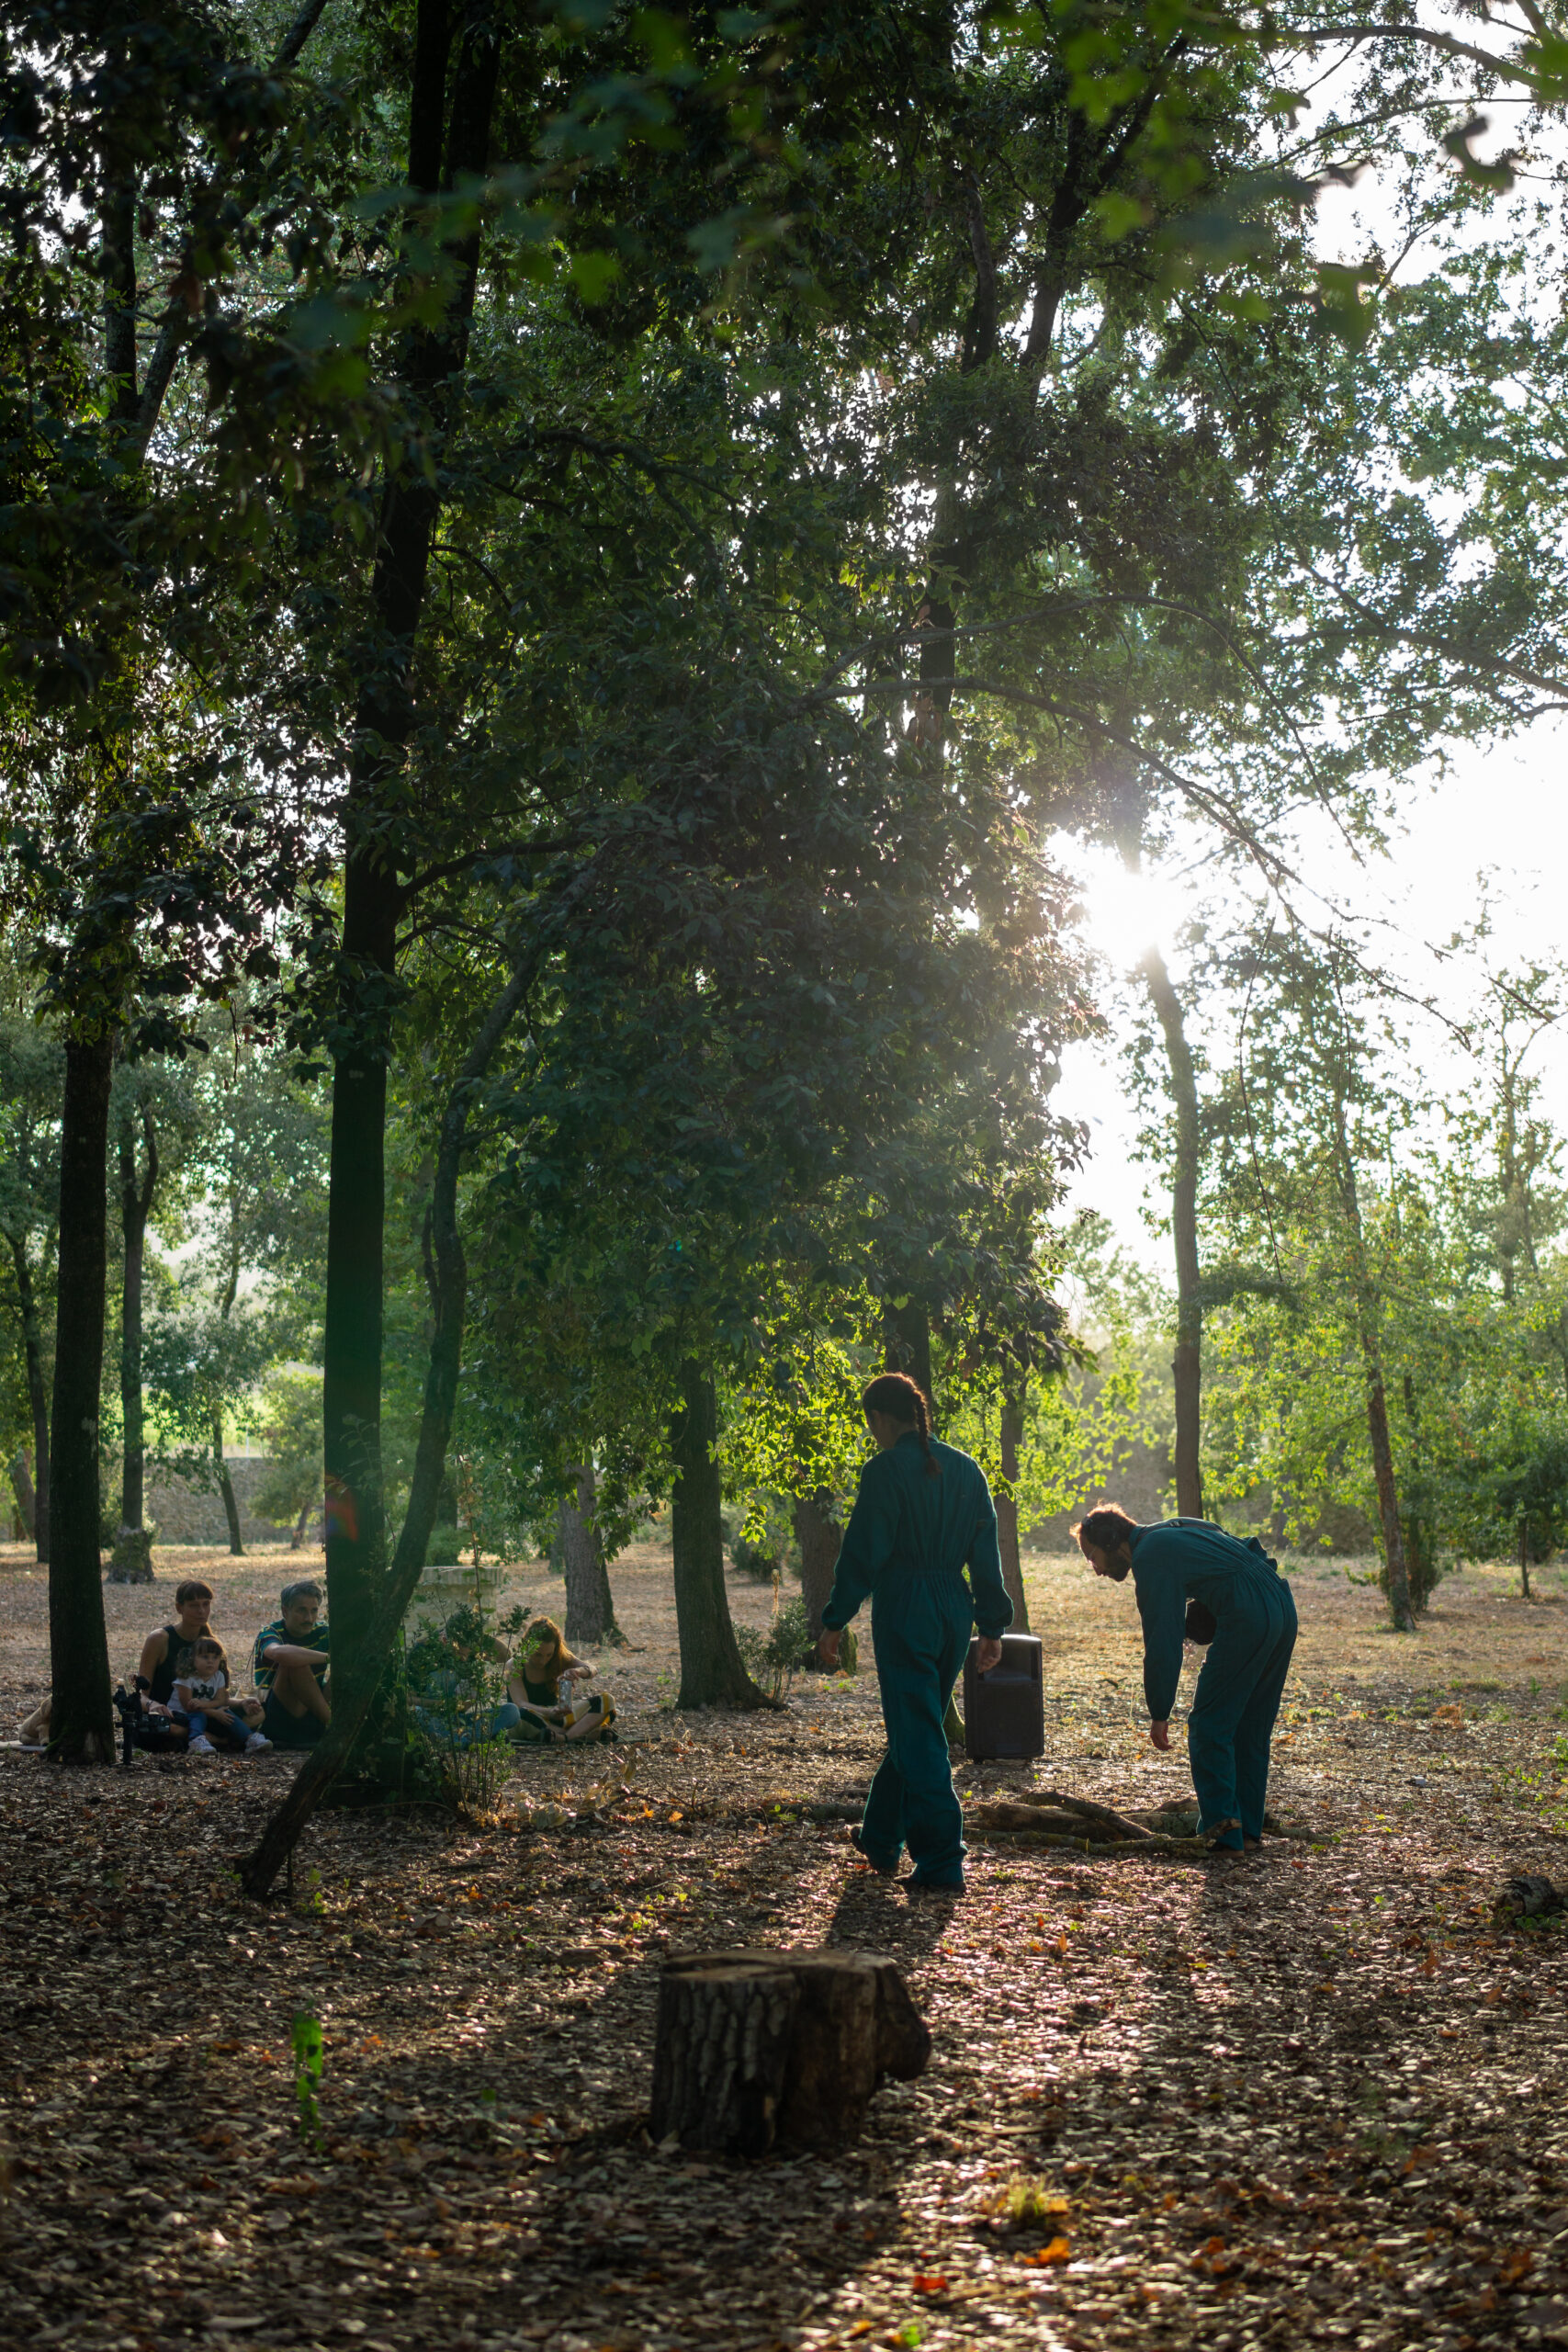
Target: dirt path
(1313, 2096)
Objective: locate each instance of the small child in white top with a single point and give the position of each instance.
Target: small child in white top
(197, 1700)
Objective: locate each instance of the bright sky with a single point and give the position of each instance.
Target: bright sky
(1499, 812)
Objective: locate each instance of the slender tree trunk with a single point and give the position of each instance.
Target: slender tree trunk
(80, 1726)
(1007, 1514)
(226, 1486)
(819, 1536)
(590, 1605)
(352, 1700)
(906, 1344)
(132, 1560)
(22, 1487)
(1525, 1558)
(297, 1538)
(1187, 1364)
(351, 1387)
(82, 1717)
(37, 1395)
(1388, 1488)
(1397, 1570)
(351, 1384)
(711, 1672)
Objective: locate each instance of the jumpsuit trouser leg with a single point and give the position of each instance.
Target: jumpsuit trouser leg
(920, 1625)
(1235, 1706)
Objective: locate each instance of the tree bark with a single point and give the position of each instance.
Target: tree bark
(1395, 1569)
(1525, 1558)
(906, 1347)
(711, 1674)
(82, 1723)
(754, 2049)
(590, 1605)
(226, 1486)
(38, 1393)
(352, 1702)
(297, 1538)
(22, 1487)
(131, 1561)
(351, 1387)
(1007, 1514)
(819, 1536)
(1187, 1364)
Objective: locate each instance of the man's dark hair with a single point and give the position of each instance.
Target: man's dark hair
(1106, 1527)
(306, 1590)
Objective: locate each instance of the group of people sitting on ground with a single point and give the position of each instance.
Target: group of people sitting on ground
(184, 1683)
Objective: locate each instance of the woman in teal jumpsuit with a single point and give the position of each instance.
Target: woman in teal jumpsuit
(922, 1513)
(1238, 1698)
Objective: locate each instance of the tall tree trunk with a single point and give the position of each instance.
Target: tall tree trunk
(132, 1560)
(711, 1672)
(23, 1489)
(1007, 1514)
(590, 1605)
(1396, 1566)
(1187, 1364)
(351, 1386)
(297, 1538)
(220, 1459)
(80, 1726)
(906, 1346)
(226, 1486)
(352, 1700)
(37, 1395)
(1395, 1569)
(818, 1534)
(1525, 1558)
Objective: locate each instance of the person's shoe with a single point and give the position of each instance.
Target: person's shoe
(936, 1886)
(258, 1744)
(200, 1747)
(883, 1869)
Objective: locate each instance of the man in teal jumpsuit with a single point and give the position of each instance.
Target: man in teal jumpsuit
(1237, 1699)
(922, 1513)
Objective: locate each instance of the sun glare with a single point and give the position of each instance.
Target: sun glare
(1127, 913)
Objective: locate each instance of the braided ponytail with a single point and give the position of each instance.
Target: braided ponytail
(894, 1393)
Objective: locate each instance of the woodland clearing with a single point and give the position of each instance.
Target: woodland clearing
(1315, 2094)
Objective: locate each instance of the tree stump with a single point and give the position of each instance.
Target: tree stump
(756, 2048)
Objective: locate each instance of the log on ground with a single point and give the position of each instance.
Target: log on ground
(756, 2048)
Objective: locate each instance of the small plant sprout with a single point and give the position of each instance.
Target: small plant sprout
(309, 2051)
(1030, 2204)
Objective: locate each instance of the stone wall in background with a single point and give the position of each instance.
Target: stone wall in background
(183, 1514)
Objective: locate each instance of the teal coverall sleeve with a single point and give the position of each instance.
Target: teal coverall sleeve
(867, 1545)
(1162, 1605)
(993, 1603)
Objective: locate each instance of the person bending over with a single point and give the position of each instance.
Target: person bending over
(1174, 1561)
(201, 1702)
(291, 1670)
(923, 1513)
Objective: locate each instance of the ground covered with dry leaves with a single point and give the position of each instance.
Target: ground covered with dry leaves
(1315, 2094)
